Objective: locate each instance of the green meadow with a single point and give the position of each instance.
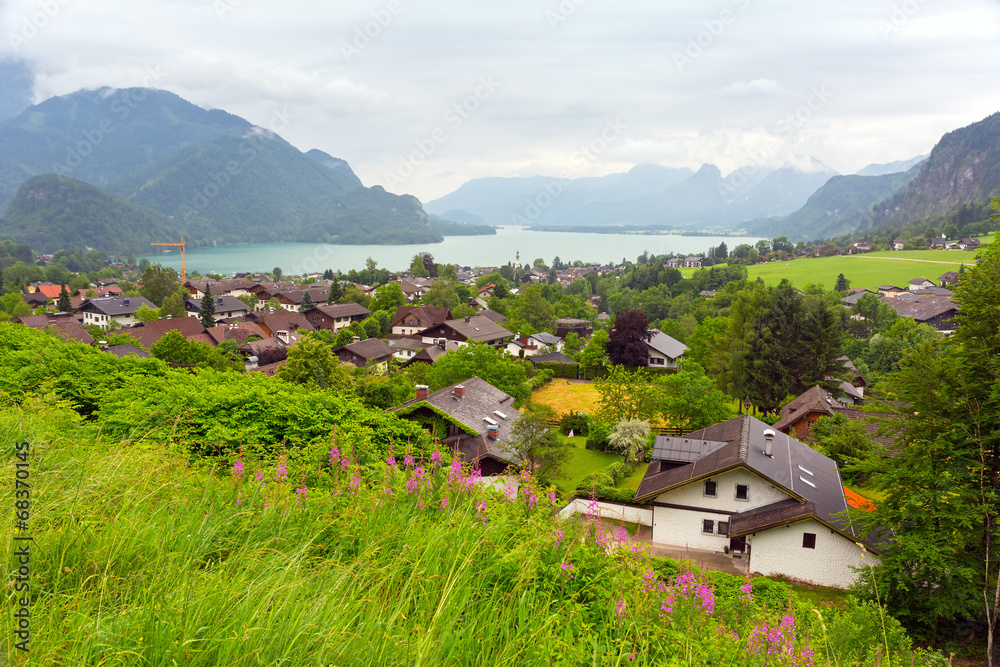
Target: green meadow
(869, 270)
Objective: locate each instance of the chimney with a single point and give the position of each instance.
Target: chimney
(126, 301)
(357, 339)
(282, 336)
(768, 442)
(423, 391)
(459, 390)
(103, 344)
(492, 431)
(467, 319)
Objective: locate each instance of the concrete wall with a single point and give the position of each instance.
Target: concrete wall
(779, 551)
(610, 511)
(684, 527)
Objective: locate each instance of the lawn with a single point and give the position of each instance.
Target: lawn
(868, 270)
(820, 596)
(582, 462)
(565, 396)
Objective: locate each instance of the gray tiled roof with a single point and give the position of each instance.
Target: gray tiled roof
(482, 401)
(117, 305)
(667, 346)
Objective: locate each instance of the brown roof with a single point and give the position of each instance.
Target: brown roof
(478, 328)
(429, 316)
(336, 310)
(817, 400)
(922, 307)
(373, 348)
(280, 320)
(150, 332)
(238, 332)
(66, 327)
(810, 478)
(499, 318)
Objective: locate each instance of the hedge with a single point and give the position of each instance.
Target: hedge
(569, 371)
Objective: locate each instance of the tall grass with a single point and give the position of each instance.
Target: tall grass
(144, 558)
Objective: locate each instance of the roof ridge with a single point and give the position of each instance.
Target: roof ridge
(745, 438)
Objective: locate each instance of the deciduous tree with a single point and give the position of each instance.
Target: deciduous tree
(628, 338)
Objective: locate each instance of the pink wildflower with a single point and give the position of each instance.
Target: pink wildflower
(436, 458)
(238, 468)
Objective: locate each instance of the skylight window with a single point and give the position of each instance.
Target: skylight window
(489, 421)
(807, 481)
(500, 414)
(808, 472)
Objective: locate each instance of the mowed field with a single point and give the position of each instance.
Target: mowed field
(565, 396)
(869, 270)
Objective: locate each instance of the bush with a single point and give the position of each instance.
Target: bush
(578, 422)
(862, 629)
(542, 377)
(598, 436)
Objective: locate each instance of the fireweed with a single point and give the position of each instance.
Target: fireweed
(581, 553)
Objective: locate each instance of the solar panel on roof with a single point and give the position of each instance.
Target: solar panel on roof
(683, 450)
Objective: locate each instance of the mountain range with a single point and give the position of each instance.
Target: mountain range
(647, 195)
(803, 201)
(116, 169)
(207, 175)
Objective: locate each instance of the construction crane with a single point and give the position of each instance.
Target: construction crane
(181, 246)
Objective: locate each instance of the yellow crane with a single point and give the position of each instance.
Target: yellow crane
(181, 246)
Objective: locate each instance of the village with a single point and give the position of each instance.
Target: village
(740, 495)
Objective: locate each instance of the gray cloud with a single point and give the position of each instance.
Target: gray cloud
(699, 82)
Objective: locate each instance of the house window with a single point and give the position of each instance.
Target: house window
(710, 489)
(708, 527)
(808, 540)
(655, 361)
(742, 492)
(723, 528)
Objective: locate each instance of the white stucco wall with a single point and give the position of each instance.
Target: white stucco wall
(779, 551)
(611, 511)
(683, 527)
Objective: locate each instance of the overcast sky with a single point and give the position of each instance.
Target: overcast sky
(421, 96)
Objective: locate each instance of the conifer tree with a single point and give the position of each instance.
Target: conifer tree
(307, 302)
(64, 305)
(207, 313)
(843, 284)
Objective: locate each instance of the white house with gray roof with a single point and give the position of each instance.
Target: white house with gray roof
(664, 351)
(740, 486)
(120, 309)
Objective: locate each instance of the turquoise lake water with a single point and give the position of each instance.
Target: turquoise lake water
(472, 251)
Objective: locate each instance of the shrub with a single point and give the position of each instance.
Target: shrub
(578, 422)
(598, 436)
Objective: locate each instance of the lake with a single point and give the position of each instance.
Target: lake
(299, 258)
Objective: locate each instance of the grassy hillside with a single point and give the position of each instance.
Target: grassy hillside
(144, 558)
(51, 213)
(868, 270)
(207, 518)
